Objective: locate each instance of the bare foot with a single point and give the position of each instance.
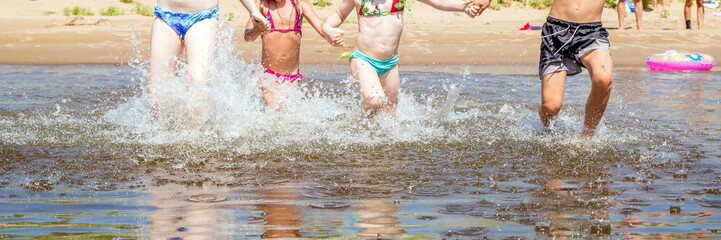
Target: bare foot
(587, 133)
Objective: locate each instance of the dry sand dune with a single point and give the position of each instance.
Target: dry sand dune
(37, 32)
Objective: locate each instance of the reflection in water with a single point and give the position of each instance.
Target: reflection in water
(379, 218)
(282, 218)
(464, 160)
(576, 197)
(188, 213)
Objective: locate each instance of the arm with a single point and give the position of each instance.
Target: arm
(449, 5)
(330, 27)
(251, 32)
(312, 17)
(255, 14)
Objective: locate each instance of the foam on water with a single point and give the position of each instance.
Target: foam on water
(317, 117)
(311, 117)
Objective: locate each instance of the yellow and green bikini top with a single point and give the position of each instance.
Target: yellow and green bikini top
(397, 6)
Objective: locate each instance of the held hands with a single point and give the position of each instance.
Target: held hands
(482, 4)
(476, 7)
(334, 36)
(260, 22)
(471, 9)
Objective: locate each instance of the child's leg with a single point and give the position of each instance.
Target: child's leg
(621, 9)
(699, 13)
(600, 67)
(165, 47)
(552, 87)
(270, 89)
(687, 12)
(200, 50)
(639, 13)
(391, 84)
(374, 98)
(200, 44)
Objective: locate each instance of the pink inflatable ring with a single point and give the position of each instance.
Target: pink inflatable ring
(680, 61)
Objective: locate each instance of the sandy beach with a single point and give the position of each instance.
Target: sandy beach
(37, 32)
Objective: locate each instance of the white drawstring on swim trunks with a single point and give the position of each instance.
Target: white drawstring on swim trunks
(569, 39)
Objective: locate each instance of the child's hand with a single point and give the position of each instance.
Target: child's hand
(482, 4)
(260, 22)
(470, 9)
(334, 36)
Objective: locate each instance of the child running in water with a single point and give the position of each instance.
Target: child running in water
(573, 37)
(375, 57)
(190, 26)
(281, 43)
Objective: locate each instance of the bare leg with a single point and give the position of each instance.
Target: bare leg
(270, 89)
(374, 98)
(165, 47)
(664, 8)
(200, 48)
(552, 87)
(600, 67)
(654, 3)
(687, 12)
(621, 9)
(639, 13)
(699, 13)
(391, 84)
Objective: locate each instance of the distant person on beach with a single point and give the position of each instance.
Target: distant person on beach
(190, 26)
(374, 61)
(637, 9)
(699, 13)
(573, 37)
(281, 44)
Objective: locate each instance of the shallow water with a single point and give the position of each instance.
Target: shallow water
(81, 156)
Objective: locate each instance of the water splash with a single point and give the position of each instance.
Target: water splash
(453, 109)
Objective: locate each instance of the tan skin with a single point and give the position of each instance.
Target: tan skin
(281, 50)
(621, 9)
(699, 11)
(597, 61)
(199, 47)
(379, 37)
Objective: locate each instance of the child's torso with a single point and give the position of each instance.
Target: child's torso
(281, 52)
(379, 34)
(281, 47)
(187, 5)
(579, 11)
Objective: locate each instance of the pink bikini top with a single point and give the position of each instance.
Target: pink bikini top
(298, 26)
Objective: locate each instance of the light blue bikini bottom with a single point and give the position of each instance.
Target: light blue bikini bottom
(381, 66)
(181, 22)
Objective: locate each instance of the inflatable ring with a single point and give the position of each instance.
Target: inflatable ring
(680, 61)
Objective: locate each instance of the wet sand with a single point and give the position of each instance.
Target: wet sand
(27, 36)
